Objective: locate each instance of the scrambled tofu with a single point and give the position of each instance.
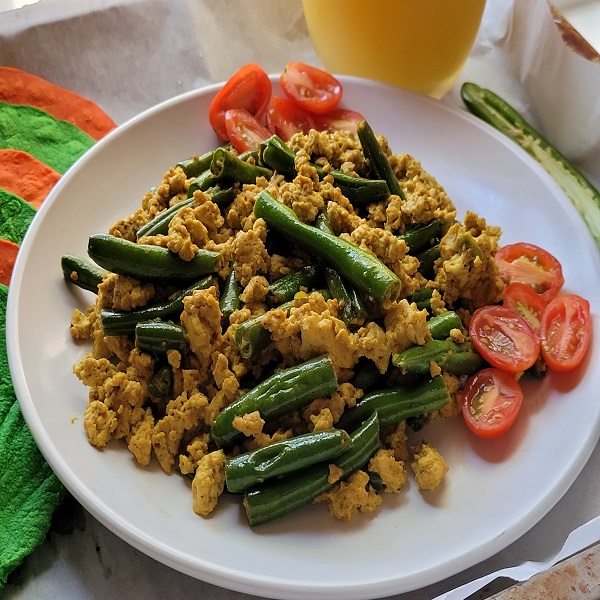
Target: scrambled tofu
(163, 404)
(429, 467)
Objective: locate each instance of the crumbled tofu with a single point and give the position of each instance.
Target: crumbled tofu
(351, 496)
(428, 466)
(208, 482)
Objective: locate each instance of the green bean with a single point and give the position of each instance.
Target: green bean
(119, 322)
(81, 272)
(227, 166)
(203, 182)
(285, 288)
(378, 160)
(441, 325)
(161, 384)
(147, 262)
(427, 260)
(229, 300)
(397, 404)
(422, 298)
(366, 374)
(159, 225)
(458, 359)
(251, 337)
(360, 191)
(279, 497)
(420, 236)
(279, 394)
(358, 266)
(195, 165)
(283, 457)
(158, 337)
(352, 307)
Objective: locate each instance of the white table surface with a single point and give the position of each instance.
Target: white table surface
(98, 48)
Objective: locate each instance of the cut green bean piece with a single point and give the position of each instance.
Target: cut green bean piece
(352, 307)
(284, 289)
(279, 394)
(147, 262)
(283, 457)
(458, 359)
(360, 191)
(422, 298)
(158, 337)
(229, 300)
(203, 182)
(195, 165)
(420, 236)
(251, 337)
(120, 322)
(379, 161)
(397, 404)
(427, 260)
(441, 325)
(161, 384)
(279, 497)
(366, 374)
(81, 272)
(159, 225)
(227, 166)
(358, 266)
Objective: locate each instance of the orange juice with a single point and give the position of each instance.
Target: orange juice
(420, 45)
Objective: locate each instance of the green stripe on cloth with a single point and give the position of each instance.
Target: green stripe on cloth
(29, 491)
(57, 143)
(15, 216)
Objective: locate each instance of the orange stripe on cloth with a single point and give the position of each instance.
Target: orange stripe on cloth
(26, 176)
(20, 87)
(8, 255)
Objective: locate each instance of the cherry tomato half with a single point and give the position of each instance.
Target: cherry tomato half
(340, 119)
(530, 264)
(312, 89)
(249, 88)
(526, 301)
(504, 338)
(244, 131)
(491, 402)
(565, 332)
(284, 118)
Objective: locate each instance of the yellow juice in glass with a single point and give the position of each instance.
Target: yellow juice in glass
(419, 45)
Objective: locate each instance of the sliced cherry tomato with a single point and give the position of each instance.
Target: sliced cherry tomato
(526, 301)
(565, 332)
(249, 88)
(244, 131)
(340, 119)
(491, 402)
(504, 338)
(284, 118)
(530, 264)
(311, 88)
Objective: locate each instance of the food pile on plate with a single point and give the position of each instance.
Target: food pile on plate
(285, 312)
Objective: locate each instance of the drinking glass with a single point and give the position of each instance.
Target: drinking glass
(420, 45)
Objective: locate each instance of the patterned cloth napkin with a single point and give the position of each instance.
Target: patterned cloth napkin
(44, 129)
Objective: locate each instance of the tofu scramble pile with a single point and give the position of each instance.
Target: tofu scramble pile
(210, 373)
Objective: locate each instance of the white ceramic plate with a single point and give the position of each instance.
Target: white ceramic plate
(495, 491)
